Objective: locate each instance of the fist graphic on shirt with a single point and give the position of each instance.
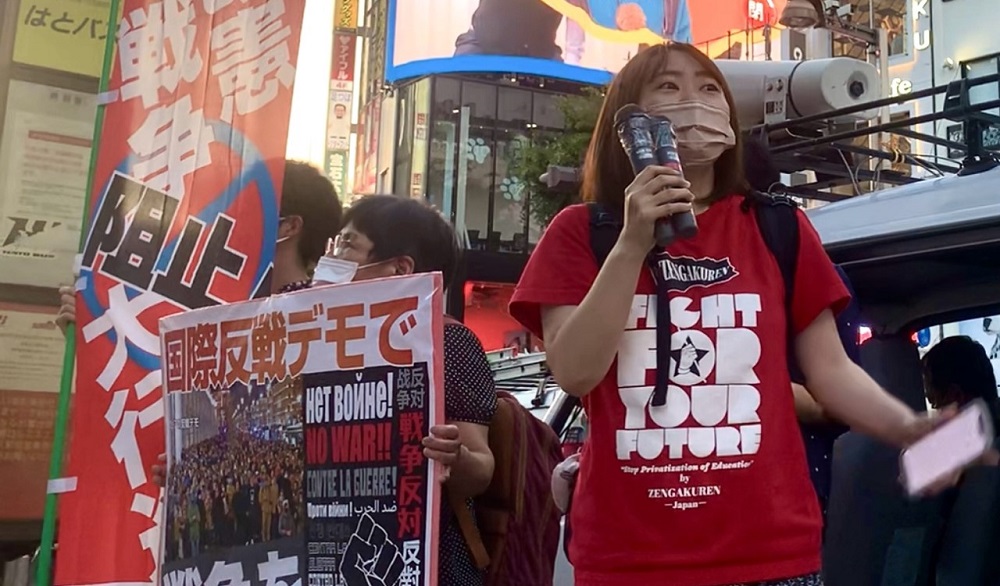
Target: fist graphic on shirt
(688, 358)
(686, 361)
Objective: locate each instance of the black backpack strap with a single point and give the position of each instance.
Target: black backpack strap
(604, 229)
(662, 381)
(605, 226)
(777, 218)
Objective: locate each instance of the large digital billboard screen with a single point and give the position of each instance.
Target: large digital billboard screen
(580, 40)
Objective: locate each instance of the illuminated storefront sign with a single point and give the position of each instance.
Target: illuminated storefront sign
(761, 12)
(338, 121)
(900, 87)
(64, 35)
(345, 15)
(338, 116)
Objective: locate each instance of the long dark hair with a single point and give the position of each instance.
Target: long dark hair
(762, 172)
(960, 361)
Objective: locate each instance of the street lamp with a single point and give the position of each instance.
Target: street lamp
(833, 15)
(802, 14)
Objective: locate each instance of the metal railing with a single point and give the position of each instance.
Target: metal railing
(524, 375)
(817, 138)
(819, 142)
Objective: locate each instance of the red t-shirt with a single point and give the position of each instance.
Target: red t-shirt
(711, 488)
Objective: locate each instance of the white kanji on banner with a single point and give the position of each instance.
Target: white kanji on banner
(411, 563)
(122, 318)
(156, 50)
(224, 574)
(252, 58)
(125, 446)
(213, 6)
(149, 506)
(275, 568)
(172, 143)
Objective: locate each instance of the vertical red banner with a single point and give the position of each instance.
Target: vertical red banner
(185, 210)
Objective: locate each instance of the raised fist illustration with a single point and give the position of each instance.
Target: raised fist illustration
(689, 355)
(371, 559)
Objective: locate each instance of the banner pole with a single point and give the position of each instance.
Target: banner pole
(43, 576)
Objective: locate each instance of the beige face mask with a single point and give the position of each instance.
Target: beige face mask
(703, 131)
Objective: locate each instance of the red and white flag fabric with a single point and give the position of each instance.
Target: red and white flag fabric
(184, 213)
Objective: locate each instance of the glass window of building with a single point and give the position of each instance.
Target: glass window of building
(509, 194)
(447, 97)
(891, 16)
(534, 227)
(976, 68)
(407, 118)
(476, 191)
(481, 99)
(515, 108)
(441, 169)
(546, 113)
(474, 187)
(888, 15)
(477, 131)
(982, 67)
(412, 142)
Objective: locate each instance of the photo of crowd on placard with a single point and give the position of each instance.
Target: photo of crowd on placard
(237, 479)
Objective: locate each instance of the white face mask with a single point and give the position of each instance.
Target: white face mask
(334, 271)
(703, 131)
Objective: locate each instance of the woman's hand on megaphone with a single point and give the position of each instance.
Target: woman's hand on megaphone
(655, 193)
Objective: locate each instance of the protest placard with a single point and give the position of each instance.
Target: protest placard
(294, 429)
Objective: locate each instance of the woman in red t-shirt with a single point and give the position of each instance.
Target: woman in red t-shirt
(704, 484)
